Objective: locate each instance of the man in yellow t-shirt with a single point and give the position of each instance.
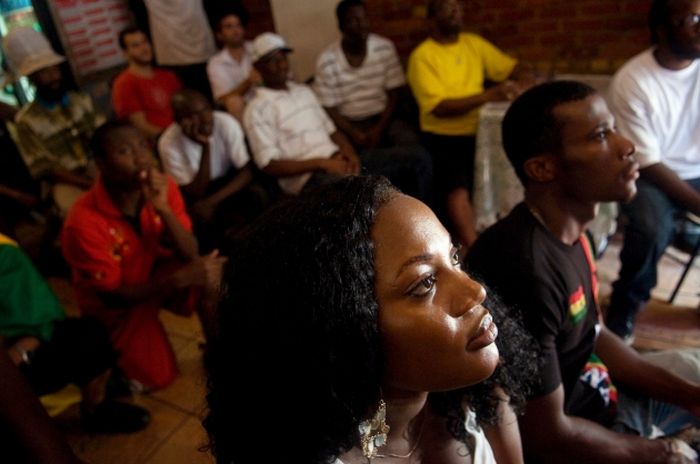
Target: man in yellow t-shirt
(446, 73)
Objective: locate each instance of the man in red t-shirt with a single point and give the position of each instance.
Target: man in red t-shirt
(129, 243)
(141, 93)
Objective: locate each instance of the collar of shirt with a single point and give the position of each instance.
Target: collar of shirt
(103, 201)
(149, 221)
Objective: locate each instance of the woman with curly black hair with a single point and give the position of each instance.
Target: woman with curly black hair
(342, 310)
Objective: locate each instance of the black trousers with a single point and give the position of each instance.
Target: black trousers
(79, 351)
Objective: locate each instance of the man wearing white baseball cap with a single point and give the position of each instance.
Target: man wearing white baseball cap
(52, 131)
(293, 138)
(268, 42)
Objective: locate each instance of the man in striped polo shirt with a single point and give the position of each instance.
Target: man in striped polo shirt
(359, 81)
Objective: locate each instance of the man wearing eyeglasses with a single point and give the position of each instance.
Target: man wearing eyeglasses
(655, 97)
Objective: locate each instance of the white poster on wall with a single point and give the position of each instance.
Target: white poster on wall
(89, 30)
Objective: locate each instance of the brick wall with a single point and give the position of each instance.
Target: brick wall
(594, 36)
(260, 17)
(563, 35)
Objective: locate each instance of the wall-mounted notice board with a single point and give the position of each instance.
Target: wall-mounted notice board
(89, 31)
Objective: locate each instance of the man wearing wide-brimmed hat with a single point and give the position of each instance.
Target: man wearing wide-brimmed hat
(53, 131)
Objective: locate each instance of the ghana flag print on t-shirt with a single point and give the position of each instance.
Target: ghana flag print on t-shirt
(577, 305)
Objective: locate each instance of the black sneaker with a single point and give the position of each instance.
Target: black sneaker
(115, 417)
(118, 385)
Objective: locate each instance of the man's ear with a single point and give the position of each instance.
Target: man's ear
(541, 168)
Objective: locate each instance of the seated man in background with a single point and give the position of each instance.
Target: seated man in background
(231, 73)
(205, 152)
(292, 138)
(358, 80)
(560, 138)
(141, 93)
(52, 350)
(129, 245)
(446, 73)
(54, 130)
(655, 97)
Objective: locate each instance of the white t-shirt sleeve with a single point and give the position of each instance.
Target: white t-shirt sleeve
(234, 139)
(394, 72)
(173, 156)
(325, 80)
(632, 117)
(260, 127)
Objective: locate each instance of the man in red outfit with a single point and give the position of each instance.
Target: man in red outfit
(129, 244)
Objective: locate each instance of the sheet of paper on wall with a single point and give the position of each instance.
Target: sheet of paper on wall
(89, 30)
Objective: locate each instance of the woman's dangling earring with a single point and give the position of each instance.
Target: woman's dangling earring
(373, 432)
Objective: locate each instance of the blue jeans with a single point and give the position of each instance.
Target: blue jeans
(651, 226)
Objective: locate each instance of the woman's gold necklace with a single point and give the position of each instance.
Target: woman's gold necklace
(415, 445)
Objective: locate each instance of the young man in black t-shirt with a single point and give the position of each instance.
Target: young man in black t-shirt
(561, 139)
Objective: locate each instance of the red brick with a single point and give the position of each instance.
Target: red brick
(481, 18)
(625, 24)
(578, 25)
(599, 38)
(518, 15)
(539, 26)
(398, 27)
(600, 9)
(588, 31)
(501, 4)
(260, 17)
(556, 38)
(517, 42)
(533, 53)
(637, 7)
(566, 10)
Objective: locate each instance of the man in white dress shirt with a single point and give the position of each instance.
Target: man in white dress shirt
(231, 73)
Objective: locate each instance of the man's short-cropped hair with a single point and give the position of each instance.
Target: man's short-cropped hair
(530, 128)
